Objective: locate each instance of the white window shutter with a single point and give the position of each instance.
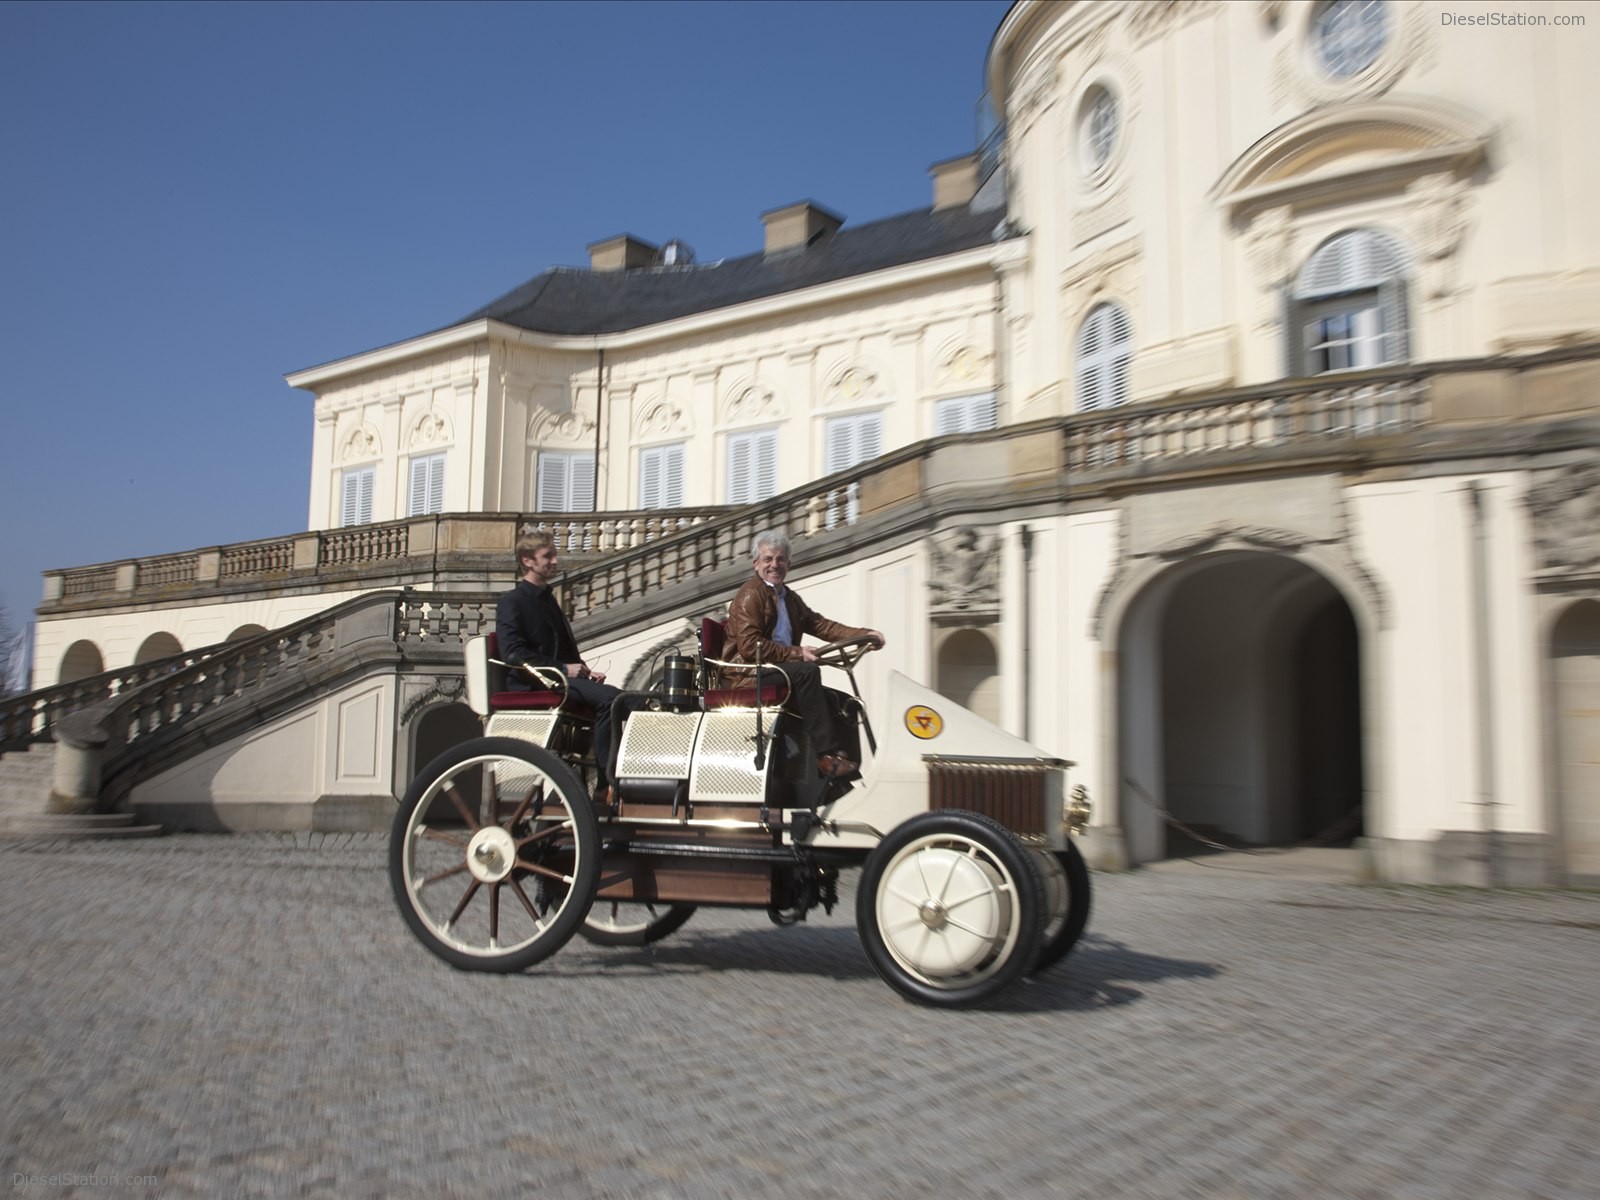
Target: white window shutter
(672, 461)
(356, 499)
(766, 464)
(580, 494)
(651, 492)
(1105, 349)
(740, 455)
(838, 451)
(552, 495)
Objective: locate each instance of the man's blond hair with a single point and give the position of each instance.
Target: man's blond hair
(530, 544)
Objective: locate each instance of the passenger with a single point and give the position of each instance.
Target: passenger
(532, 629)
(766, 621)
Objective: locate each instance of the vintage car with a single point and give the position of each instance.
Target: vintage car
(963, 833)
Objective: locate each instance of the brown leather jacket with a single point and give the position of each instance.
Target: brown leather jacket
(753, 615)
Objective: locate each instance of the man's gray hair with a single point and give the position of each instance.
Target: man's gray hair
(775, 538)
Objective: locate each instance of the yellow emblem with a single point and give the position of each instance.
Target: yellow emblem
(923, 722)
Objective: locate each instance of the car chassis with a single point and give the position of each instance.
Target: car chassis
(970, 879)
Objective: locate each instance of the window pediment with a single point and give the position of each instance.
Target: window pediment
(1352, 148)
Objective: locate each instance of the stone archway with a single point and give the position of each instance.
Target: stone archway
(157, 645)
(81, 660)
(245, 632)
(438, 729)
(1574, 695)
(1240, 707)
(967, 670)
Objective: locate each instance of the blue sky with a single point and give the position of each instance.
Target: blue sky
(199, 198)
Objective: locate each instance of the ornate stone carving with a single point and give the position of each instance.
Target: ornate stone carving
(1268, 249)
(659, 418)
(965, 578)
(361, 445)
(751, 403)
(852, 385)
(546, 428)
(446, 689)
(430, 429)
(1032, 92)
(1152, 18)
(1565, 505)
(1251, 537)
(1440, 202)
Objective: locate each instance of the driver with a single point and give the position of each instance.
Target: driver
(766, 621)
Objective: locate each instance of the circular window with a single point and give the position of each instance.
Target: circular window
(1348, 35)
(1098, 127)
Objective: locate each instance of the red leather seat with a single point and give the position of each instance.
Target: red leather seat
(774, 687)
(540, 699)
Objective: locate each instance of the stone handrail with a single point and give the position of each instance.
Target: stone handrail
(148, 727)
(30, 717)
(413, 546)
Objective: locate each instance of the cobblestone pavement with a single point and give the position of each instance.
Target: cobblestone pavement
(248, 1016)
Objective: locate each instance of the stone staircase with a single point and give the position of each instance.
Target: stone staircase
(25, 779)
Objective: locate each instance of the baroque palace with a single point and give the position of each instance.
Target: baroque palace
(1227, 424)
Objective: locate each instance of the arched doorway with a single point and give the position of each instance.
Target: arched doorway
(81, 660)
(968, 672)
(1239, 708)
(157, 645)
(245, 632)
(437, 730)
(1575, 725)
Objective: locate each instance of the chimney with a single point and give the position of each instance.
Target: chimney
(621, 253)
(793, 227)
(955, 181)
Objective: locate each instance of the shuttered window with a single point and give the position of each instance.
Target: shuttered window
(752, 466)
(356, 487)
(964, 414)
(427, 485)
(566, 482)
(661, 476)
(1349, 307)
(850, 441)
(1105, 348)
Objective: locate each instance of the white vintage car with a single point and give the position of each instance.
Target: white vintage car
(963, 833)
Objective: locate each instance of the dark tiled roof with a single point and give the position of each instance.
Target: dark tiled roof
(569, 300)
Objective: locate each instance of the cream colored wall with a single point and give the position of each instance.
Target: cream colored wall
(1506, 253)
(429, 404)
(1418, 537)
(270, 777)
(119, 636)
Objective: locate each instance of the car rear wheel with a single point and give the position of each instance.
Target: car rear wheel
(495, 855)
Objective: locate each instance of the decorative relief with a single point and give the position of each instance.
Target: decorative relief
(430, 429)
(546, 428)
(660, 418)
(965, 576)
(853, 385)
(1243, 537)
(1110, 272)
(1151, 19)
(444, 689)
(1440, 203)
(1109, 210)
(1565, 505)
(361, 445)
(751, 403)
(964, 364)
(1032, 94)
(1268, 247)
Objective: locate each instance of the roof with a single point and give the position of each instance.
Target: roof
(569, 300)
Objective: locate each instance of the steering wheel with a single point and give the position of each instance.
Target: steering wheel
(846, 652)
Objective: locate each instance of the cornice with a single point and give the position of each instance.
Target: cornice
(726, 318)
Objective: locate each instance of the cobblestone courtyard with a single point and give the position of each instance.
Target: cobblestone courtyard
(211, 1016)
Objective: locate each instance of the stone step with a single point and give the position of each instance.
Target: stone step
(75, 825)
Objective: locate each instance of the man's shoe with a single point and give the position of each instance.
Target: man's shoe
(836, 766)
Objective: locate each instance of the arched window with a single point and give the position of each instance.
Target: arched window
(1105, 347)
(1349, 306)
(157, 645)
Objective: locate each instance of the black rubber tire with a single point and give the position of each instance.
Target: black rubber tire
(926, 854)
(600, 928)
(543, 918)
(1058, 944)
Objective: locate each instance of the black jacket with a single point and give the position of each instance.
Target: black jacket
(531, 628)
